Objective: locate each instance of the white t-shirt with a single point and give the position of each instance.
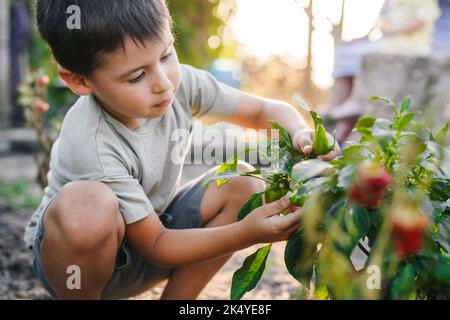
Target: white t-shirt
(404, 13)
(143, 167)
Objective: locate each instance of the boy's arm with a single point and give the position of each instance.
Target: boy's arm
(254, 112)
(172, 248)
(169, 248)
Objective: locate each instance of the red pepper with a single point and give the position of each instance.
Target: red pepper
(408, 230)
(41, 106)
(43, 81)
(370, 184)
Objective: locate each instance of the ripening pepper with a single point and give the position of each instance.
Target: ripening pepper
(370, 184)
(41, 106)
(409, 227)
(43, 81)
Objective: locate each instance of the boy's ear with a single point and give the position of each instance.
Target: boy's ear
(78, 84)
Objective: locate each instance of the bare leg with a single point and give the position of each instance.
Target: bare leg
(82, 227)
(344, 107)
(344, 127)
(218, 207)
(350, 112)
(341, 91)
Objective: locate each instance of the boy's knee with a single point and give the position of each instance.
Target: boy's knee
(242, 188)
(85, 213)
(244, 166)
(247, 185)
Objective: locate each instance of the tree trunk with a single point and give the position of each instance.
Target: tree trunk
(339, 28)
(308, 85)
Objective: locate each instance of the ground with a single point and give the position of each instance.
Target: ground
(17, 279)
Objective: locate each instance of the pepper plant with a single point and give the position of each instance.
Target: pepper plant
(385, 198)
(33, 99)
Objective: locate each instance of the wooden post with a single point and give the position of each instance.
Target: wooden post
(308, 85)
(339, 28)
(5, 98)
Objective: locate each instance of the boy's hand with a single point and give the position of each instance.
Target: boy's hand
(303, 141)
(265, 224)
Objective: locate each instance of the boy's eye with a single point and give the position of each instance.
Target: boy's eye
(138, 78)
(167, 56)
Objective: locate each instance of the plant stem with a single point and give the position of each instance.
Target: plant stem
(257, 177)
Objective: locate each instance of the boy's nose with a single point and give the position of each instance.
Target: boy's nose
(162, 82)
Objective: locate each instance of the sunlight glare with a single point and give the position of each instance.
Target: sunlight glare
(265, 28)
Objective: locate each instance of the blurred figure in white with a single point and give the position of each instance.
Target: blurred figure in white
(407, 26)
(441, 35)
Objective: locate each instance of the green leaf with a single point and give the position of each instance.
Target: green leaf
(442, 271)
(222, 176)
(308, 169)
(376, 220)
(383, 124)
(254, 202)
(402, 122)
(283, 132)
(442, 134)
(430, 136)
(226, 175)
(354, 222)
(299, 257)
(361, 220)
(403, 286)
(440, 189)
(389, 102)
(337, 272)
(345, 176)
(357, 225)
(229, 165)
(366, 133)
(355, 153)
(405, 104)
(298, 198)
(364, 123)
(285, 165)
(334, 211)
(383, 132)
(246, 278)
(300, 195)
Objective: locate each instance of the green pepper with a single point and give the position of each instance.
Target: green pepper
(298, 199)
(275, 191)
(320, 145)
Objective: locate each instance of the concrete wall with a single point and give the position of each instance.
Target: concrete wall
(426, 79)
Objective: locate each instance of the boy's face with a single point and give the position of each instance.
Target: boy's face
(139, 82)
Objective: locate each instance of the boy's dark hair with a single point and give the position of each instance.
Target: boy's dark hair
(104, 26)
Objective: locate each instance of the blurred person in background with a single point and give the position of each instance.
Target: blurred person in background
(441, 35)
(407, 26)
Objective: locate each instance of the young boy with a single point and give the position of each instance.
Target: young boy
(113, 209)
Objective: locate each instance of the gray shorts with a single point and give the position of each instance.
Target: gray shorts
(133, 274)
